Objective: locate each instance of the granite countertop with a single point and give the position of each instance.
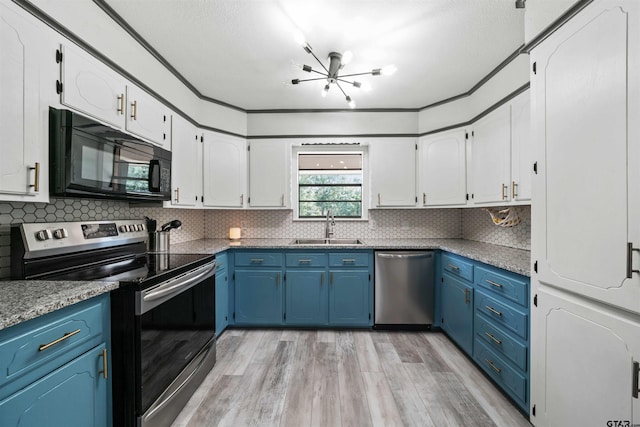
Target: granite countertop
(22, 300)
(510, 259)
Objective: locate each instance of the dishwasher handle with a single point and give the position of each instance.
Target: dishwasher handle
(404, 255)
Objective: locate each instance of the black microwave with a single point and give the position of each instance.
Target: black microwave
(90, 159)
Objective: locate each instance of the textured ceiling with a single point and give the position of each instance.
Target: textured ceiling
(242, 52)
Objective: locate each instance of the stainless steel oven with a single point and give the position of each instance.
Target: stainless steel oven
(162, 315)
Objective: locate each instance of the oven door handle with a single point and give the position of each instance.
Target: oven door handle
(155, 296)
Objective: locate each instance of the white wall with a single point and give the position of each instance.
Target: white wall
(506, 81)
(91, 24)
(539, 14)
(332, 123)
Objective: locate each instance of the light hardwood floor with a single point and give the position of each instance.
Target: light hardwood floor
(344, 378)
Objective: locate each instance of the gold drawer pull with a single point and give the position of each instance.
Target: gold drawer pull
(504, 192)
(104, 371)
(494, 339)
(350, 261)
(494, 367)
(257, 260)
(492, 283)
(43, 347)
(304, 261)
(36, 183)
(454, 267)
(493, 310)
(121, 104)
(134, 107)
(466, 296)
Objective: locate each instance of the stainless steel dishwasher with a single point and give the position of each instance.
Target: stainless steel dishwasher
(404, 288)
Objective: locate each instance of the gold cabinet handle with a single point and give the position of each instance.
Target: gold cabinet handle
(105, 365)
(466, 296)
(454, 267)
(494, 339)
(504, 192)
(257, 260)
(282, 200)
(493, 310)
(492, 283)
(424, 199)
(121, 103)
(36, 177)
(494, 367)
(514, 187)
(379, 200)
(67, 335)
(348, 261)
(304, 261)
(242, 200)
(134, 106)
(177, 191)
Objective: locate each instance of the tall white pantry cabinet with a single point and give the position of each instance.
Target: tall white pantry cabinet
(585, 89)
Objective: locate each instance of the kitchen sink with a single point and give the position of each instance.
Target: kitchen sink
(327, 242)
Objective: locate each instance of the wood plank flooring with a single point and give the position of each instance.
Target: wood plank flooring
(344, 378)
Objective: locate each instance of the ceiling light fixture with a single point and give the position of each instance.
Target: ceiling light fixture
(520, 4)
(337, 61)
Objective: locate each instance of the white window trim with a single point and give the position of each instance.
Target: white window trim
(330, 149)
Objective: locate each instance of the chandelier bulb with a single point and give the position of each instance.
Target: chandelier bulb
(325, 90)
(351, 102)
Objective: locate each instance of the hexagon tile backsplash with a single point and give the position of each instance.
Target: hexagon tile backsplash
(472, 224)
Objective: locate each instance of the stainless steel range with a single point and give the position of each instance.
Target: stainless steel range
(162, 315)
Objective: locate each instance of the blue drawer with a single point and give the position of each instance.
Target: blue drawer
(32, 349)
(306, 259)
(221, 262)
(501, 342)
(511, 287)
(349, 259)
(502, 314)
(457, 266)
(512, 381)
(258, 259)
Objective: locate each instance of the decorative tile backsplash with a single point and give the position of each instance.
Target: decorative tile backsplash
(63, 209)
(472, 224)
(382, 224)
(477, 225)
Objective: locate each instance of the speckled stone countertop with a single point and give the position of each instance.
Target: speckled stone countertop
(22, 300)
(510, 259)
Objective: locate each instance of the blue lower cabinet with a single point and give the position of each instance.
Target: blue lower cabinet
(350, 302)
(258, 297)
(457, 311)
(73, 395)
(306, 298)
(222, 302)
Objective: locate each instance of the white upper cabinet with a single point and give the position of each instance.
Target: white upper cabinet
(585, 111)
(24, 109)
(521, 148)
(186, 164)
(491, 165)
(442, 169)
(393, 172)
(224, 170)
(92, 88)
(269, 174)
(147, 117)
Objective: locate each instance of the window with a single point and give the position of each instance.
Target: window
(330, 181)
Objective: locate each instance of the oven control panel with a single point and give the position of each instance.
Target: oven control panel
(62, 237)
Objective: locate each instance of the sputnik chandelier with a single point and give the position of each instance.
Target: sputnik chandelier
(337, 61)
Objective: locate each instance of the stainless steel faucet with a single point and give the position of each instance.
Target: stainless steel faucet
(329, 224)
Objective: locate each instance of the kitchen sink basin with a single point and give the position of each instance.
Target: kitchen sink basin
(327, 242)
